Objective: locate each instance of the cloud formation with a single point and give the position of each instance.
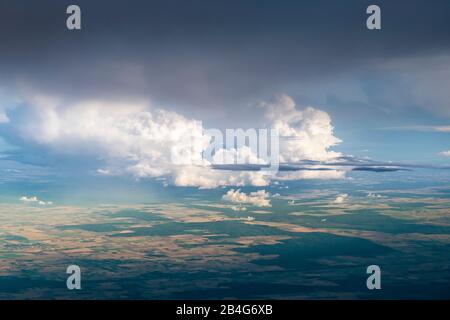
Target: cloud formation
(305, 134)
(35, 200)
(29, 199)
(258, 198)
(133, 138)
(194, 63)
(445, 153)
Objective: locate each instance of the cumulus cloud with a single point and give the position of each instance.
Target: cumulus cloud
(35, 200)
(342, 198)
(133, 138)
(259, 198)
(29, 199)
(205, 177)
(124, 131)
(305, 134)
(445, 153)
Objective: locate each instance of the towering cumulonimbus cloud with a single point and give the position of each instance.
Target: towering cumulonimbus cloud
(305, 134)
(136, 139)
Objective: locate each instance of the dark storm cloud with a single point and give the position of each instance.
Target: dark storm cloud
(202, 55)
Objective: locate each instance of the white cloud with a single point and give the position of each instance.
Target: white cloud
(259, 198)
(145, 142)
(341, 199)
(29, 199)
(305, 134)
(205, 177)
(445, 153)
(36, 200)
(133, 138)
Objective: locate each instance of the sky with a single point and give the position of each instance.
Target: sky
(116, 96)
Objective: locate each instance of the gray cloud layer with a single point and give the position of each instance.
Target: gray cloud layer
(208, 58)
